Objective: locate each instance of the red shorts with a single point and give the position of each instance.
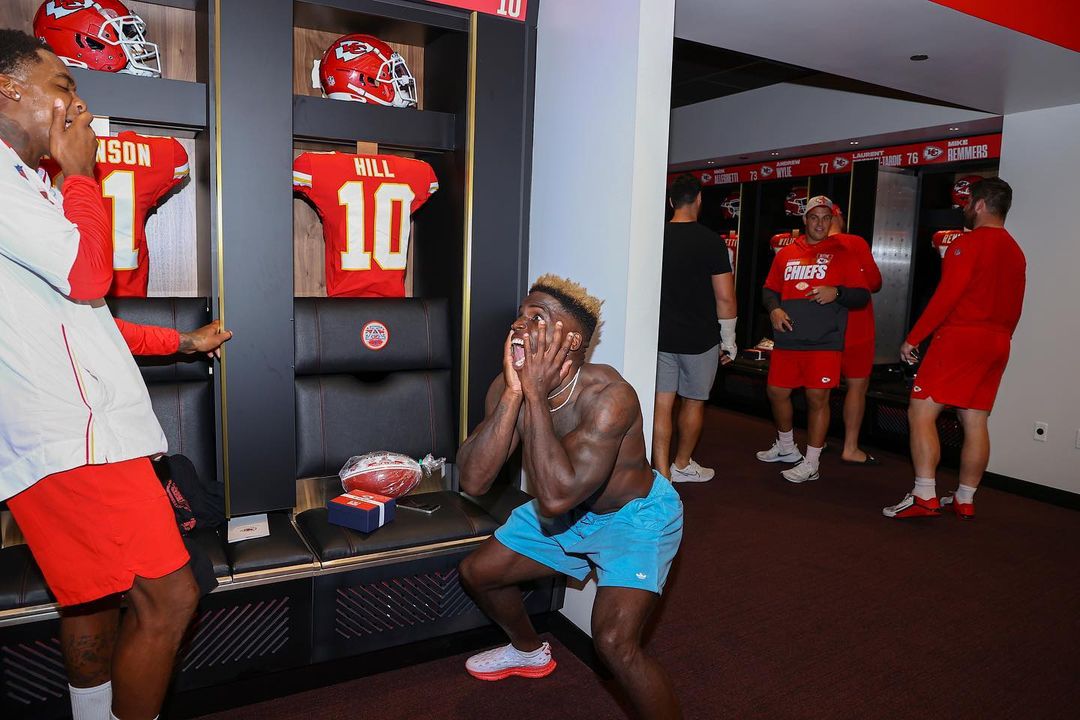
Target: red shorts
(815, 369)
(963, 368)
(93, 529)
(858, 359)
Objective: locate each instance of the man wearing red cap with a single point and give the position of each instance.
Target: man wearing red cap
(811, 285)
(971, 316)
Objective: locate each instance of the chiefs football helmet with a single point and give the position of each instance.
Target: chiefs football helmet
(795, 204)
(363, 68)
(731, 205)
(961, 190)
(98, 35)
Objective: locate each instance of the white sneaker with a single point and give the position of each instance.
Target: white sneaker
(801, 473)
(774, 454)
(691, 473)
(502, 662)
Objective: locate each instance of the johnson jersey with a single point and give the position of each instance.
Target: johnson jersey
(135, 172)
(797, 269)
(943, 239)
(365, 202)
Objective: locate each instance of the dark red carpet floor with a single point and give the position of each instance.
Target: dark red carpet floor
(802, 601)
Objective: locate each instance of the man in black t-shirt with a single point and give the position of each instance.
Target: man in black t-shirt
(697, 324)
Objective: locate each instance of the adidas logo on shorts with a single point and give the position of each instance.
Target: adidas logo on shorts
(826, 379)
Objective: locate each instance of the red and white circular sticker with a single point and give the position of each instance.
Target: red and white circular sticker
(375, 336)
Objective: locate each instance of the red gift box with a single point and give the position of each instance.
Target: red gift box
(361, 511)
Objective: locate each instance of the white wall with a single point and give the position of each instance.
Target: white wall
(1039, 157)
(599, 164)
(792, 116)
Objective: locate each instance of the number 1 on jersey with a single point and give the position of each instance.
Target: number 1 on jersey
(356, 256)
(119, 186)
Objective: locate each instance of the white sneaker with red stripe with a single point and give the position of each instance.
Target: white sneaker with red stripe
(502, 662)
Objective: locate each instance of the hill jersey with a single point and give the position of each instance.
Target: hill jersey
(134, 172)
(365, 202)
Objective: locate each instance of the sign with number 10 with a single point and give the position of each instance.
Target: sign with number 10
(512, 9)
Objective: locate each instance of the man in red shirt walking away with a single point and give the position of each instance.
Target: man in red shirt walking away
(972, 316)
(858, 359)
(811, 285)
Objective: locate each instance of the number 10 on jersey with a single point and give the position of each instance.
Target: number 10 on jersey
(390, 200)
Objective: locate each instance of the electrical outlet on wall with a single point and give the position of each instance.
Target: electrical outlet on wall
(1078, 439)
(1041, 430)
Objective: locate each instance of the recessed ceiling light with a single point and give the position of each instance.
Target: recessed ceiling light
(954, 128)
(774, 153)
(919, 58)
(711, 162)
(853, 142)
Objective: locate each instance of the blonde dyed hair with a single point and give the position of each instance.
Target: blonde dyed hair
(573, 297)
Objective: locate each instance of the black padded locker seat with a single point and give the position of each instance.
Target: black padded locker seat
(351, 399)
(283, 547)
(180, 386)
(456, 519)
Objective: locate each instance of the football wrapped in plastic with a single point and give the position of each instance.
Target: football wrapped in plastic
(386, 473)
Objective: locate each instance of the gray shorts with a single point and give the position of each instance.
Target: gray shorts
(691, 376)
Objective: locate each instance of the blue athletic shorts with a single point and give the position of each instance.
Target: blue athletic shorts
(632, 547)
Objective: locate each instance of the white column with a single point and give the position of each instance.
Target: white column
(1039, 158)
(603, 83)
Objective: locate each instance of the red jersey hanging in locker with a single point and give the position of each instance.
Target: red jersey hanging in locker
(135, 172)
(365, 202)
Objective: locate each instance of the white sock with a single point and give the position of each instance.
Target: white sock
(925, 488)
(787, 441)
(113, 717)
(813, 455)
(91, 703)
(965, 494)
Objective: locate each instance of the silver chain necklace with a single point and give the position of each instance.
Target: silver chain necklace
(571, 385)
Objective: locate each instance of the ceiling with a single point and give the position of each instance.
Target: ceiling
(972, 62)
(703, 72)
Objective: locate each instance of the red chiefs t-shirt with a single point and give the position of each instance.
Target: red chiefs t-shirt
(860, 322)
(134, 172)
(983, 278)
(800, 266)
(365, 202)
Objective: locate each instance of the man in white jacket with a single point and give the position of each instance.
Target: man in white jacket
(76, 425)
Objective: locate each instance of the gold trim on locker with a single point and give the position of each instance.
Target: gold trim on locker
(466, 290)
(220, 222)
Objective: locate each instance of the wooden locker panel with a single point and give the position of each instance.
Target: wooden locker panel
(171, 236)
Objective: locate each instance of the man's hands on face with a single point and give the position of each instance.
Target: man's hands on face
(546, 363)
(207, 339)
(510, 375)
(73, 147)
(781, 322)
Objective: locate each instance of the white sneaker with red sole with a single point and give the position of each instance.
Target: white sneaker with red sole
(502, 662)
